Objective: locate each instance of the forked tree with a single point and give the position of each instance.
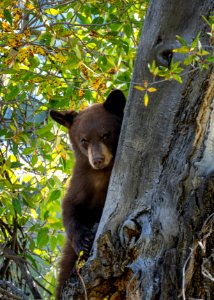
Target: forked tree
(155, 239)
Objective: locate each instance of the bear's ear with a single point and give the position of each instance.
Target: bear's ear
(115, 103)
(64, 118)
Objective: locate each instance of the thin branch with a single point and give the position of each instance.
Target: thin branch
(13, 288)
(8, 294)
(204, 270)
(83, 284)
(57, 5)
(78, 24)
(42, 286)
(21, 263)
(206, 231)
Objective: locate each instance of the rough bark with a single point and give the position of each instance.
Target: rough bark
(155, 239)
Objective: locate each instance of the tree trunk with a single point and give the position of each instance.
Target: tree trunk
(155, 239)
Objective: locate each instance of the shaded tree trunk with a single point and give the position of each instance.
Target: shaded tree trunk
(155, 239)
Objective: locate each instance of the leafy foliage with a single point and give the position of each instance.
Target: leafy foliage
(54, 54)
(147, 90)
(194, 55)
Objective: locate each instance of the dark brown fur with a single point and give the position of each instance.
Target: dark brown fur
(94, 134)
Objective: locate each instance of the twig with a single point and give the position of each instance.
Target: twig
(5, 292)
(78, 24)
(205, 272)
(83, 284)
(21, 263)
(14, 289)
(206, 231)
(79, 265)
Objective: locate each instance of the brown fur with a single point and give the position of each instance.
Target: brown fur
(94, 134)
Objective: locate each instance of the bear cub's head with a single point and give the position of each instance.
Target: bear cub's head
(94, 131)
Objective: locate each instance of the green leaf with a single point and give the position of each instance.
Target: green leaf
(34, 159)
(208, 23)
(32, 245)
(60, 239)
(43, 131)
(125, 46)
(28, 150)
(181, 40)
(178, 78)
(195, 41)
(45, 39)
(16, 164)
(32, 260)
(188, 60)
(12, 92)
(98, 20)
(210, 59)
(7, 71)
(78, 52)
(53, 242)
(8, 16)
(128, 30)
(17, 206)
(42, 238)
(56, 194)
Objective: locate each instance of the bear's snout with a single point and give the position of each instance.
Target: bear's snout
(98, 162)
(99, 156)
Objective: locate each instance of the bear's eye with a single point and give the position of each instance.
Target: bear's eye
(84, 142)
(105, 136)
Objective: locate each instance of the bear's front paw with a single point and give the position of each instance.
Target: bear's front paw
(82, 241)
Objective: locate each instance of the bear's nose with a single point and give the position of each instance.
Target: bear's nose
(98, 162)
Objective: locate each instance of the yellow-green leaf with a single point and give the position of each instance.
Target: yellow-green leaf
(52, 11)
(183, 50)
(139, 88)
(152, 90)
(202, 52)
(146, 99)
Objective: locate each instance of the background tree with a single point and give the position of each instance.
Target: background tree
(54, 55)
(155, 239)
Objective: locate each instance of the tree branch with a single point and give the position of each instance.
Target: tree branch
(21, 263)
(13, 288)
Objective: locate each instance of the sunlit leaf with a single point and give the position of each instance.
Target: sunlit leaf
(152, 90)
(195, 41)
(183, 50)
(202, 52)
(42, 237)
(139, 88)
(52, 11)
(146, 99)
(178, 78)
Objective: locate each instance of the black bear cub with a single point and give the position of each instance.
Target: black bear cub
(94, 134)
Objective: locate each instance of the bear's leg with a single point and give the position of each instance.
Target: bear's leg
(67, 264)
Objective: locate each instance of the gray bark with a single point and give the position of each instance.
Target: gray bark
(155, 239)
